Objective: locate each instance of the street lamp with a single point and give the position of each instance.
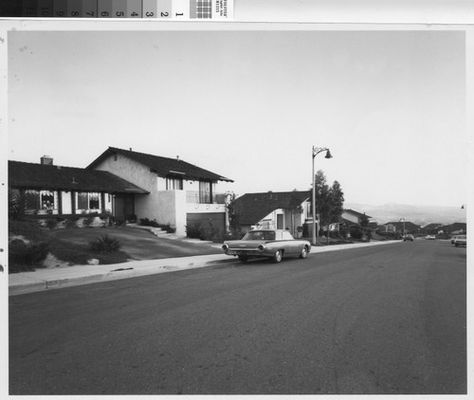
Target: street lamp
(316, 151)
(403, 220)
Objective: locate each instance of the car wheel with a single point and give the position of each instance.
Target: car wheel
(304, 252)
(277, 257)
(243, 259)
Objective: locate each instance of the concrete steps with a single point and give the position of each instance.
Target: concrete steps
(157, 232)
(165, 235)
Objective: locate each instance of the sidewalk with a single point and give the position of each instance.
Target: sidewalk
(54, 278)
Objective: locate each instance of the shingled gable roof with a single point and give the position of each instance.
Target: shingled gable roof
(51, 177)
(400, 224)
(162, 166)
(252, 207)
(356, 213)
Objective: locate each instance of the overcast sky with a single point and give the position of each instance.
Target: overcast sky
(249, 106)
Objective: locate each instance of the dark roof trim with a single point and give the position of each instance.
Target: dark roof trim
(356, 213)
(22, 175)
(162, 166)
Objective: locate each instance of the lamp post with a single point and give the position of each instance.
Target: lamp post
(316, 151)
(403, 220)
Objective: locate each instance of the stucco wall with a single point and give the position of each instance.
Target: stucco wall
(161, 183)
(171, 209)
(138, 174)
(290, 222)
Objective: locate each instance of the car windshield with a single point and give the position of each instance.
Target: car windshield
(259, 235)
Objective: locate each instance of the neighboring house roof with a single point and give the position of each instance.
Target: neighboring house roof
(356, 213)
(409, 226)
(346, 221)
(252, 207)
(162, 166)
(52, 177)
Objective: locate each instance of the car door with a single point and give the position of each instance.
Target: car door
(290, 244)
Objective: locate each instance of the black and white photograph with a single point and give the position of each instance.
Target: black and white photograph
(237, 209)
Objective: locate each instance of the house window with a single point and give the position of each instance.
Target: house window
(88, 202)
(94, 201)
(82, 201)
(205, 193)
(279, 221)
(173, 183)
(41, 202)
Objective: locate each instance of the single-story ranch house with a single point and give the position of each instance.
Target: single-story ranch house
(274, 210)
(350, 216)
(400, 226)
(125, 183)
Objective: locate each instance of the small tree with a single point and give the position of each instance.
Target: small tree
(16, 204)
(364, 223)
(329, 201)
(233, 215)
(336, 201)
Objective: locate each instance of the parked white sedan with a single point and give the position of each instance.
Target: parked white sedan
(459, 240)
(274, 244)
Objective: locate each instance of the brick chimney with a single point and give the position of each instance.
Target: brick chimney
(46, 160)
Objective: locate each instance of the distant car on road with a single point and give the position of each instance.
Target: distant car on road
(408, 238)
(430, 237)
(459, 240)
(265, 243)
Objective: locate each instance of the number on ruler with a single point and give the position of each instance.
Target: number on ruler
(134, 14)
(90, 13)
(119, 13)
(149, 14)
(75, 13)
(165, 14)
(104, 14)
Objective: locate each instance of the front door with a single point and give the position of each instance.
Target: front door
(129, 207)
(124, 207)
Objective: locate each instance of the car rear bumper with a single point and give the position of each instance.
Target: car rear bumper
(239, 252)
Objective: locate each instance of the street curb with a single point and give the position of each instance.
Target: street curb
(122, 272)
(126, 270)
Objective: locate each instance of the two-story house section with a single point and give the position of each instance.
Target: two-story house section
(179, 193)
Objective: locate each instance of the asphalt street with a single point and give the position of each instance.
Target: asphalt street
(387, 319)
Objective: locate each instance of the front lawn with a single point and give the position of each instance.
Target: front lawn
(138, 243)
(72, 245)
(29, 245)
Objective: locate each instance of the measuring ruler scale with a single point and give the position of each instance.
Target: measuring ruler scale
(155, 9)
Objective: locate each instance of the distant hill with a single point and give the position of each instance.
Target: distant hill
(421, 215)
